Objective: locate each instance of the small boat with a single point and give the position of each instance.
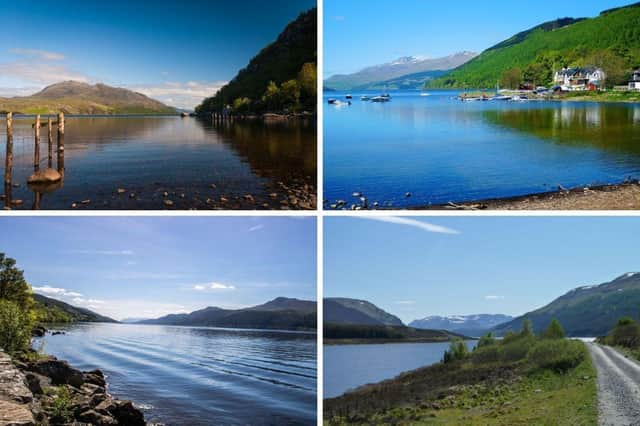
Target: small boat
(380, 99)
(332, 101)
(386, 95)
(349, 97)
(425, 94)
(365, 98)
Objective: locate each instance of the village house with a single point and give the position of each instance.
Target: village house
(634, 84)
(575, 79)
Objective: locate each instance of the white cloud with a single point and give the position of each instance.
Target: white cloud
(213, 286)
(180, 94)
(425, 226)
(56, 291)
(40, 54)
(40, 72)
(255, 228)
(493, 297)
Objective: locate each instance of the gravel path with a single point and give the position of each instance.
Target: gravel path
(618, 387)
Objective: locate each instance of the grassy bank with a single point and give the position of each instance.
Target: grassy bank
(610, 96)
(520, 380)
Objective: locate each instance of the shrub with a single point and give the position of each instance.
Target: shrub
(486, 354)
(554, 331)
(486, 340)
(557, 355)
(61, 405)
(457, 350)
(626, 333)
(15, 327)
(516, 349)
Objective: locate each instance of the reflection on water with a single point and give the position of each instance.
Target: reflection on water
(197, 164)
(200, 376)
(430, 150)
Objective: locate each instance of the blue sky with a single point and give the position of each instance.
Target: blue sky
(151, 266)
(361, 33)
(178, 52)
(507, 265)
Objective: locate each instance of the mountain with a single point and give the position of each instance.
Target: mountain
(409, 68)
(587, 311)
(611, 41)
(52, 310)
(279, 313)
(339, 310)
(281, 61)
(469, 325)
(73, 97)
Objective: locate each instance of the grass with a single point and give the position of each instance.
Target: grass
(506, 389)
(610, 96)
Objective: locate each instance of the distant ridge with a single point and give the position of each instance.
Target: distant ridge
(412, 70)
(74, 97)
(56, 309)
(469, 325)
(342, 310)
(279, 313)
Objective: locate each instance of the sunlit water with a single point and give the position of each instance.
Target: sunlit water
(442, 150)
(200, 376)
(190, 159)
(347, 367)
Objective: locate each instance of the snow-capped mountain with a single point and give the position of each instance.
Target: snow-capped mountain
(470, 325)
(401, 67)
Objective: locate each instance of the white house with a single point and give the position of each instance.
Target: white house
(588, 78)
(634, 84)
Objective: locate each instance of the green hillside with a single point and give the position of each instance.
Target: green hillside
(281, 76)
(586, 311)
(610, 41)
(50, 310)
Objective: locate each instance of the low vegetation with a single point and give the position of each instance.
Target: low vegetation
(520, 379)
(624, 336)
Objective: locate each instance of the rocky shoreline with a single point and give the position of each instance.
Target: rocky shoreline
(622, 196)
(42, 390)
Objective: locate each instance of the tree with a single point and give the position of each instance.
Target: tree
(242, 105)
(457, 350)
(538, 73)
(272, 97)
(614, 66)
(13, 286)
(290, 94)
(15, 327)
(554, 331)
(527, 328)
(308, 81)
(511, 78)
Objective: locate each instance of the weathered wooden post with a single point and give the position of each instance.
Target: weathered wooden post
(9, 156)
(50, 141)
(36, 148)
(61, 143)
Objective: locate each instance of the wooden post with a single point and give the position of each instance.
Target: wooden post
(61, 143)
(9, 157)
(50, 141)
(36, 148)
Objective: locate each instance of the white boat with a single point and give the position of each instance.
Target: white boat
(425, 94)
(365, 98)
(381, 99)
(501, 98)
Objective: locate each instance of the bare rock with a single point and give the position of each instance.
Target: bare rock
(60, 372)
(14, 414)
(125, 413)
(45, 176)
(95, 418)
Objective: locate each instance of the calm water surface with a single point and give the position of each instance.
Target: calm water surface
(348, 366)
(440, 149)
(190, 159)
(200, 376)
